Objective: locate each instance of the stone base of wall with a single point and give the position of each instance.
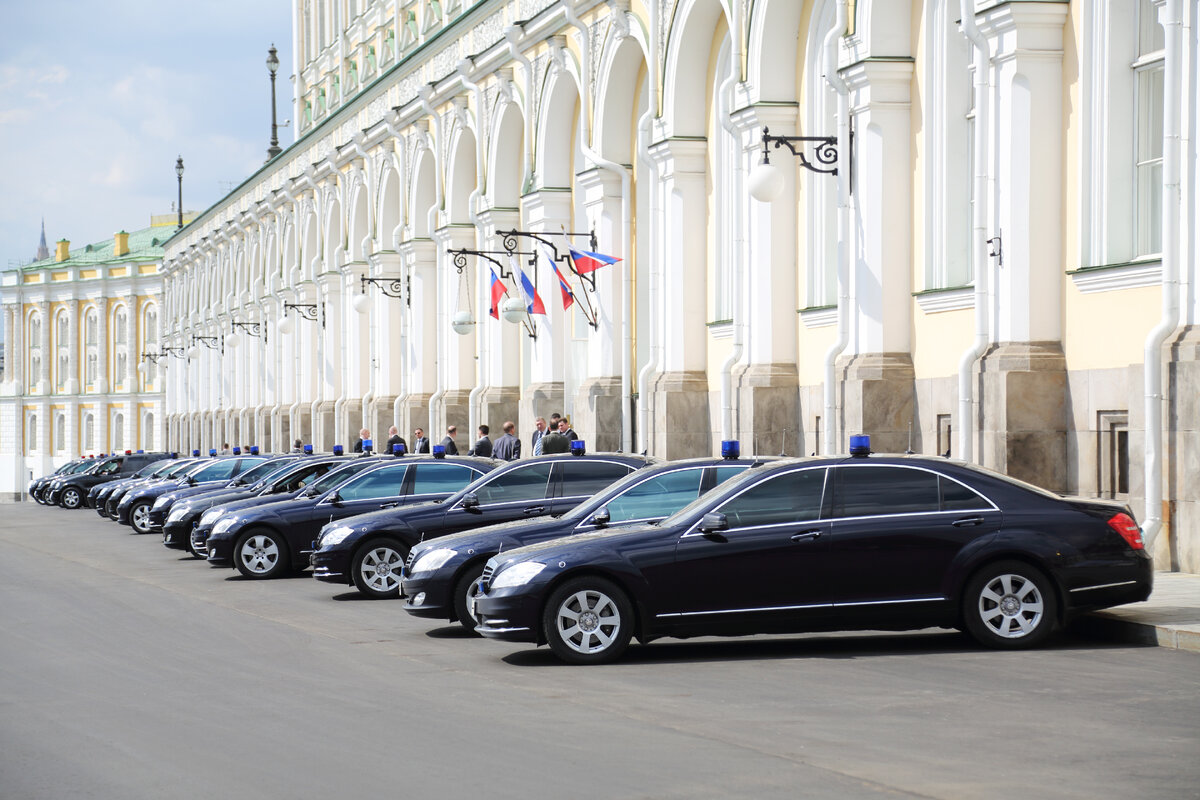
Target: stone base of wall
(540, 400)
(768, 409)
(1023, 386)
(497, 405)
(878, 399)
(457, 405)
(1182, 418)
(381, 418)
(414, 413)
(324, 432)
(598, 414)
(680, 420)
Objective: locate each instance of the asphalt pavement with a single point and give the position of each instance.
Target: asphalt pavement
(131, 671)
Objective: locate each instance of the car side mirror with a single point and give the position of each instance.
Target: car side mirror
(335, 499)
(601, 517)
(470, 502)
(713, 522)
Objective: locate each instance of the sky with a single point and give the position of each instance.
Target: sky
(98, 99)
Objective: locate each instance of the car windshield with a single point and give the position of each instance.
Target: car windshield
(712, 498)
(646, 494)
(586, 508)
(338, 476)
(260, 474)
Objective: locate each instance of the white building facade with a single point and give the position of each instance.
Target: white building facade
(75, 383)
(1009, 232)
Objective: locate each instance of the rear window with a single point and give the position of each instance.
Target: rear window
(881, 490)
(790, 497)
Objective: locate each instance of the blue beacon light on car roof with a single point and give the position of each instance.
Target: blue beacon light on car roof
(397, 449)
(213, 452)
(578, 447)
(237, 451)
(368, 445)
(439, 451)
(308, 451)
(731, 448)
(196, 453)
(338, 450)
(253, 449)
(860, 445)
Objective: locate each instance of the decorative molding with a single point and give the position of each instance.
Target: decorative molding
(1113, 277)
(818, 316)
(721, 329)
(935, 301)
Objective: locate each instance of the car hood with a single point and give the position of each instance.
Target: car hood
(571, 546)
(492, 537)
(390, 518)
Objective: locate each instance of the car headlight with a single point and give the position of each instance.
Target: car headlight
(160, 503)
(177, 514)
(335, 536)
(210, 517)
(518, 574)
(434, 559)
(224, 525)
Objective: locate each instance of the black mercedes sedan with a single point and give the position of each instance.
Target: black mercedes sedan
(369, 551)
(134, 508)
(164, 504)
(271, 540)
(69, 491)
(441, 575)
(277, 480)
(109, 496)
(835, 543)
(71, 467)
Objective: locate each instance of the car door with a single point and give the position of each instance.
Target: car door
(374, 490)
(767, 566)
(512, 494)
(896, 529)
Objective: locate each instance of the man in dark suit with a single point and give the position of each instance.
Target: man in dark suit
(363, 435)
(555, 442)
(536, 440)
(564, 427)
(420, 441)
(508, 446)
(448, 442)
(394, 438)
(483, 447)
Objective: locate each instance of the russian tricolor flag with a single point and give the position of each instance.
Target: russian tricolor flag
(568, 297)
(534, 302)
(498, 291)
(590, 262)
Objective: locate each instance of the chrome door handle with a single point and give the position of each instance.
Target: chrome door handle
(966, 521)
(535, 510)
(805, 536)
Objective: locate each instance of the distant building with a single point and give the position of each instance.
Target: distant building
(75, 325)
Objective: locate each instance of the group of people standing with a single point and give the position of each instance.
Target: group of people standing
(554, 436)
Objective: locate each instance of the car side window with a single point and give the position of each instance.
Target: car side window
(584, 478)
(441, 478)
(110, 468)
(876, 491)
(790, 497)
(525, 483)
(956, 497)
(218, 471)
(383, 482)
(655, 497)
(304, 477)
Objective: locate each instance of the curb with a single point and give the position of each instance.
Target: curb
(1104, 625)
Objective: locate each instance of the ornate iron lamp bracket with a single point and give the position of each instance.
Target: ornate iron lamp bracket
(392, 287)
(825, 156)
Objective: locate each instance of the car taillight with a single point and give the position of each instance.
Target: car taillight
(1129, 530)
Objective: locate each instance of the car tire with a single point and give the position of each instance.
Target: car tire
(261, 554)
(139, 517)
(1009, 605)
(588, 620)
(375, 569)
(465, 590)
(71, 498)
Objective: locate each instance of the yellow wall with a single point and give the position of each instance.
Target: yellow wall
(1109, 329)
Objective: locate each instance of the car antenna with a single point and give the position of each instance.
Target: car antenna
(909, 451)
(783, 443)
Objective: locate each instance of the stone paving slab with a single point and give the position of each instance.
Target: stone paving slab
(1170, 618)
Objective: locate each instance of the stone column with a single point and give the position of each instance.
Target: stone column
(45, 384)
(460, 352)
(767, 398)
(421, 344)
(680, 405)
(390, 315)
(1023, 377)
(329, 327)
(878, 382)
(598, 405)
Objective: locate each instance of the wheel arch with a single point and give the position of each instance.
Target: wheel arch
(985, 560)
(623, 581)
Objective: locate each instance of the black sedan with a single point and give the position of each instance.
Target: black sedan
(279, 480)
(441, 576)
(165, 504)
(271, 540)
(884, 543)
(69, 491)
(134, 508)
(98, 495)
(37, 484)
(369, 551)
(109, 498)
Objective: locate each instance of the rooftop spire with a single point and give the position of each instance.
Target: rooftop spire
(43, 252)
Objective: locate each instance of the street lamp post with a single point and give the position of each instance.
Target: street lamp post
(273, 67)
(179, 174)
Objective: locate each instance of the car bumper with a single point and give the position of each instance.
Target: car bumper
(177, 535)
(158, 518)
(428, 596)
(331, 566)
(219, 551)
(52, 496)
(508, 616)
(1130, 583)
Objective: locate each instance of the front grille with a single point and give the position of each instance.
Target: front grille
(199, 543)
(408, 562)
(485, 580)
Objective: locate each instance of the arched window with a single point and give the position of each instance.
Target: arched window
(150, 341)
(60, 433)
(148, 431)
(821, 120)
(120, 347)
(31, 434)
(89, 432)
(118, 432)
(33, 345)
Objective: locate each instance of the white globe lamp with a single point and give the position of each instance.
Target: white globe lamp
(287, 325)
(766, 182)
(513, 309)
(233, 340)
(462, 322)
(361, 303)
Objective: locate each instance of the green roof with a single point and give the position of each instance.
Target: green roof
(144, 245)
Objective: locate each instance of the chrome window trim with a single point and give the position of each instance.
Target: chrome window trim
(801, 607)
